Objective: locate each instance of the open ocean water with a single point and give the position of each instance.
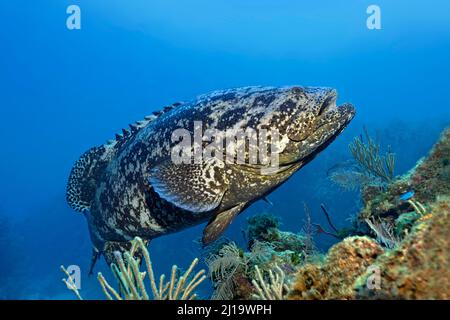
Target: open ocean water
(63, 91)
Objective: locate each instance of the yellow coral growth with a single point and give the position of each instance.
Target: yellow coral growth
(335, 278)
(131, 279)
(310, 283)
(274, 289)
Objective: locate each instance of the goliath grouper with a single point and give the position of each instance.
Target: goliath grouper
(132, 187)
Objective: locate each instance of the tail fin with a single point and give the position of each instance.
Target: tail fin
(84, 176)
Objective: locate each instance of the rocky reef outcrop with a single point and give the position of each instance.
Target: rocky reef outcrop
(419, 267)
(409, 259)
(334, 278)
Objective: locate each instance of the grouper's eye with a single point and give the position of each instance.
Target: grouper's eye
(327, 103)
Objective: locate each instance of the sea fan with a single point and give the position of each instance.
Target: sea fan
(384, 232)
(371, 162)
(222, 268)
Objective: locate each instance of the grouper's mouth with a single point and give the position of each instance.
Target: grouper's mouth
(340, 117)
(329, 106)
(330, 120)
(334, 118)
(347, 113)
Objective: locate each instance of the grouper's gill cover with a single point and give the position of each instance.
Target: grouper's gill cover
(131, 187)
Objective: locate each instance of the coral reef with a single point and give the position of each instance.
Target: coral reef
(409, 258)
(431, 176)
(265, 228)
(335, 276)
(273, 255)
(405, 222)
(233, 271)
(412, 267)
(428, 179)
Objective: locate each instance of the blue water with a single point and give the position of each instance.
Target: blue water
(63, 91)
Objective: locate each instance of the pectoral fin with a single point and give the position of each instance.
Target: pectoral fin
(218, 224)
(193, 187)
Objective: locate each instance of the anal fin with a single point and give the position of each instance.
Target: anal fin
(95, 255)
(218, 224)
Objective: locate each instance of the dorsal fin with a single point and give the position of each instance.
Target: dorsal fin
(134, 128)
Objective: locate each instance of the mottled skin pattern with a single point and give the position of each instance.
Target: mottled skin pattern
(126, 204)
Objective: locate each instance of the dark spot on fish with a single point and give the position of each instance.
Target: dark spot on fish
(225, 97)
(230, 117)
(288, 104)
(264, 100)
